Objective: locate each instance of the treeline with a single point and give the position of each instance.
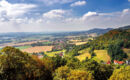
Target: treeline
(41, 44)
(16, 65)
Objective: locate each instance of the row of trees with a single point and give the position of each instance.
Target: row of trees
(116, 53)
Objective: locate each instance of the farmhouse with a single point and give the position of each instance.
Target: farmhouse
(118, 62)
(128, 62)
(109, 62)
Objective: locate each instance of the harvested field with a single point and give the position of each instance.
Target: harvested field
(101, 55)
(22, 43)
(38, 49)
(80, 43)
(83, 56)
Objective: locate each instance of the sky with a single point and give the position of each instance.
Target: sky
(62, 15)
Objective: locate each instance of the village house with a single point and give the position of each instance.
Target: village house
(109, 62)
(118, 62)
(128, 62)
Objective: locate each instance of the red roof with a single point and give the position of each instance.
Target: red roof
(118, 62)
(108, 62)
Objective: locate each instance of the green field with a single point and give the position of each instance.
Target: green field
(48, 42)
(52, 54)
(23, 47)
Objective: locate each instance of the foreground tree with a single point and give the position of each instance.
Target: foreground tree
(65, 73)
(121, 74)
(61, 73)
(99, 71)
(16, 65)
(80, 75)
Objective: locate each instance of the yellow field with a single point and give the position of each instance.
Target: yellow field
(84, 53)
(38, 49)
(80, 43)
(83, 56)
(101, 55)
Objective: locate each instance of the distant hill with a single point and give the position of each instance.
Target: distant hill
(125, 27)
(98, 30)
(121, 34)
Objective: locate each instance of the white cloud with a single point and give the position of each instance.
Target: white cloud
(14, 10)
(126, 10)
(89, 14)
(59, 20)
(57, 13)
(78, 3)
(51, 2)
(128, 0)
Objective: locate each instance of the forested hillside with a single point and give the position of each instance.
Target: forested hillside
(113, 41)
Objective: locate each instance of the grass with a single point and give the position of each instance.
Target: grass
(52, 54)
(101, 55)
(48, 42)
(23, 47)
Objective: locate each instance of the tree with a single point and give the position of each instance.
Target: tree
(104, 72)
(121, 74)
(65, 73)
(73, 63)
(16, 65)
(80, 75)
(61, 73)
(59, 61)
(99, 71)
(116, 52)
(49, 63)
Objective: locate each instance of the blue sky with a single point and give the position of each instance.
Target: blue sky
(62, 15)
